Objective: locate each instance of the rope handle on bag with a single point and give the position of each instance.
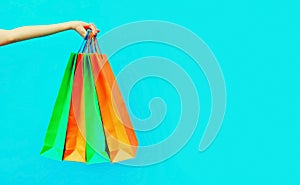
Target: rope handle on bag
(83, 45)
(90, 44)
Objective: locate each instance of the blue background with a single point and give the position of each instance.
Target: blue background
(256, 44)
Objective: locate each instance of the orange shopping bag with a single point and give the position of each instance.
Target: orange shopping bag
(120, 136)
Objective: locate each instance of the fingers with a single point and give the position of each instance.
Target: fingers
(93, 28)
(82, 27)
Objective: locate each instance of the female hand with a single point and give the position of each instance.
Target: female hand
(82, 27)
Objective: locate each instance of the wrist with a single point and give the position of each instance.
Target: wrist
(70, 25)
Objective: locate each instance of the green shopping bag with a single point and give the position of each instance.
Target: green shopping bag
(95, 138)
(55, 136)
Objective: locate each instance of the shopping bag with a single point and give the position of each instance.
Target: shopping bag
(90, 122)
(75, 142)
(120, 136)
(55, 136)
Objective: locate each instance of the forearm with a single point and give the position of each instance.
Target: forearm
(29, 32)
